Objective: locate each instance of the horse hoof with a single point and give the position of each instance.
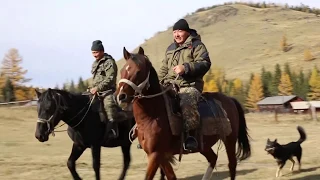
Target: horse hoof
(139, 146)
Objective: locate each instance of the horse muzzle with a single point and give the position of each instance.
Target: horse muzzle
(42, 138)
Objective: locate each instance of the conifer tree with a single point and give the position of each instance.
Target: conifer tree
(255, 93)
(211, 86)
(266, 78)
(285, 87)
(275, 80)
(12, 69)
(8, 91)
(301, 86)
(72, 87)
(81, 86)
(314, 83)
(237, 88)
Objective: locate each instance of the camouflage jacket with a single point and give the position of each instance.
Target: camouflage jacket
(195, 58)
(104, 73)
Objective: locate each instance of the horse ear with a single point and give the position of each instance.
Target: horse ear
(126, 54)
(38, 93)
(275, 140)
(141, 51)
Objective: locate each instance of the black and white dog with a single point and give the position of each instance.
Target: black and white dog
(284, 152)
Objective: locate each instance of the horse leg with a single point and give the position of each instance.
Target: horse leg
(168, 170)
(162, 174)
(153, 164)
(212, 159)
(126, 160)
(96, 154)
(76, 152)
(231, 152)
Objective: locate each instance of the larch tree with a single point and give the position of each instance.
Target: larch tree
(255, 93)
(314, 82)
(11, 68)
(237, 88)
(211, 86)
(285, 86)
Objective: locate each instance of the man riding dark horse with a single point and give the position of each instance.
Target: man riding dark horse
(188, 58)
(104, 71)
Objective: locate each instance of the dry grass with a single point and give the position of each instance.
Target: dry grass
(23, 157)
(242, 39)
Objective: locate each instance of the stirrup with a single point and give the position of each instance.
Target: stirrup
(114, 134)
(190, 140)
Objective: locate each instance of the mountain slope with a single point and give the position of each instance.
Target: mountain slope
(242, 39)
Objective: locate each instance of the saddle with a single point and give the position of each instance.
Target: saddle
(213, 118)
(98, 104)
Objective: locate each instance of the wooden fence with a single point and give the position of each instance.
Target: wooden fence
(19, 103)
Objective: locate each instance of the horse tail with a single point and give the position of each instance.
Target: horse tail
(244, 147)
(173, 160)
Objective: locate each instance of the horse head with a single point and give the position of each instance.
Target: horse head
(50, 107)
(135, 77)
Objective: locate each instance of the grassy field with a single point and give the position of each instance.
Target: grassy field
(23, 157)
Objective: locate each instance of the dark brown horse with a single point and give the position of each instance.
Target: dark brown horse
(139, 86)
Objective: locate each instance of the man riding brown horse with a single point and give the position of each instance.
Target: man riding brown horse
(188, 58)
(104, 71)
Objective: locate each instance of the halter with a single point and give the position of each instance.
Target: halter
(58, 109)
(48, 121)
(139, 88)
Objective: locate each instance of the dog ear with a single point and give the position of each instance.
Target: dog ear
(275, 140)
(268, 140)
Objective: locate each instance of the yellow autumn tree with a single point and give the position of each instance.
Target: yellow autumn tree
(307, 55)
(2, 84)
(31, 93)
(20, 94)
(314, 83)
(12, 69)
(255, 93)
(285, 86)
(237, 87)
(210, 86)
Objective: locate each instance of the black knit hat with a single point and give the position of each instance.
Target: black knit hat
(97, 46)
(182, 24)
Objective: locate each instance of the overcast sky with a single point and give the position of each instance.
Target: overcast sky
(56, 35)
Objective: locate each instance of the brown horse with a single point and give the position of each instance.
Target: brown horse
(139, 86)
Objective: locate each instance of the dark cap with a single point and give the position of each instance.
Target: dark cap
(97, 46)
(182, 24)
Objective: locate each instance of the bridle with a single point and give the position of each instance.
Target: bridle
(139, 88)
(58, 111)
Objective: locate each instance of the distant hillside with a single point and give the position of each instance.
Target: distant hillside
(241, 39)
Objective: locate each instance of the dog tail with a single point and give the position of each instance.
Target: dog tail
(302, 133)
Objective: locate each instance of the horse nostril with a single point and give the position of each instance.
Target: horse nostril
(122, 97)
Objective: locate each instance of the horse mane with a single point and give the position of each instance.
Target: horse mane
(153, 77)
(65, 96)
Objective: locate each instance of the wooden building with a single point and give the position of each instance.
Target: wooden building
(281, 104)
(305, 106)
